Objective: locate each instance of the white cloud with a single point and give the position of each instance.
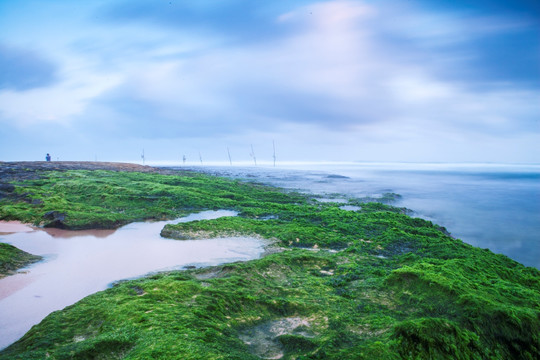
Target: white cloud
(346, 74)
(57, 104)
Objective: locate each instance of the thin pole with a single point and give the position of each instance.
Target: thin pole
(142, 156)
(228, 152)
(200, 157)
(274, 145)
(253, 155)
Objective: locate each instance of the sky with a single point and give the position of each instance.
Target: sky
(380, 80)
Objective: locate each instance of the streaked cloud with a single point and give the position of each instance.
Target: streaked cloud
(24, 69)
(379, 74)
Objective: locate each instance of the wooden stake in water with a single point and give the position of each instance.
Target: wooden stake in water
(274, 145)
(253, 155)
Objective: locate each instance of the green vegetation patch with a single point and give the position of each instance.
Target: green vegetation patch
(298, 304)
(12, 259)
(81, 199)
(368, 284)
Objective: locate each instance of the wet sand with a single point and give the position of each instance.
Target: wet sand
(12, 227)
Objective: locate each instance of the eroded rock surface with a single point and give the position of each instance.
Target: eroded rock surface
(268, 340)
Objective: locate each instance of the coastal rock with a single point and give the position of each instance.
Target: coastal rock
(273, 339)
(56, 220)
(170, 233)
(12, 258)
(8, 188)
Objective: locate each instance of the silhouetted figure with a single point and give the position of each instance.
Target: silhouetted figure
(48, 157)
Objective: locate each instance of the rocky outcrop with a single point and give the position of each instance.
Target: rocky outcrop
(171, 233)
(55, 219)
(273, 339)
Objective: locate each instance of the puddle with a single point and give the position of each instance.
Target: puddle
(11, 227)
(350, 208)
(80, 263)
(332, 200)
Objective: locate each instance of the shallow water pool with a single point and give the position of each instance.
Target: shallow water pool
(79, 263)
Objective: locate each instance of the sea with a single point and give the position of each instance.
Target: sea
(493, 206)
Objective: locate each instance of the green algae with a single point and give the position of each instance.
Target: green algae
(372, 283)
(107, 199)
(12, 259)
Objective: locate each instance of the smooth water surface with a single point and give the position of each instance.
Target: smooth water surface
(494, 206)
(79, 263)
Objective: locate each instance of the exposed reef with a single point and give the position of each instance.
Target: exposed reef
(374, 283)
(12, 259)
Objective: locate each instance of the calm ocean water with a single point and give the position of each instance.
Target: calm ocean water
(491, 206)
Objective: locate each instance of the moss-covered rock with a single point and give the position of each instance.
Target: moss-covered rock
(12, 259)
(372, 283)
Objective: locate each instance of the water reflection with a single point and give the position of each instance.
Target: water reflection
(66, 234)
(79, 263)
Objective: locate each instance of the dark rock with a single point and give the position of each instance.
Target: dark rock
(138, 290)
(57, 220)
(54, 215)
(37, 202)
(57, 224)
(444, 231)
(7, 187)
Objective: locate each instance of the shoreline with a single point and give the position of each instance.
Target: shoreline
(400, 287)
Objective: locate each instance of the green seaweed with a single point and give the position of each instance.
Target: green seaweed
(12, 259)
(83, 199)
(372, 283)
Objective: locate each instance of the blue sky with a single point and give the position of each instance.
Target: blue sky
(419, 81)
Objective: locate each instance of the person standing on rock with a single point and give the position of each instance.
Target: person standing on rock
(48, 157)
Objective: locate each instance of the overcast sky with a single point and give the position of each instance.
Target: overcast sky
(419, 80)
